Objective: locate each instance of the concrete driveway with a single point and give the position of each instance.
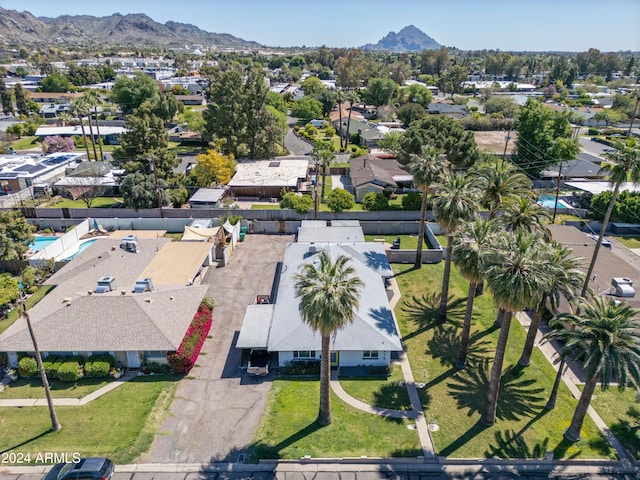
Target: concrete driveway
(214, 415)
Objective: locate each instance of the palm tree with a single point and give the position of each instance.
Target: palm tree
(470, 244)
(340, 98)
(606, 335)
(566, 281)
(425, 168)
(55, 423)
(455, 202)
(92, 99)
(323, 153)
(625, 166)
(522, 214)
(500, 181)
(352, 97)
(329, 295)
(64, 118)
(84, 103)
(516, 273)
(77, 109)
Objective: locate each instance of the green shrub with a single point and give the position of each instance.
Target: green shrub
(49, 366)
(4, 360)
(412, 201)
(340, 200)
(592, 131)
(209, 303)
(97, 369)
(381, 370)
(300, 203)
(302, 368)
(27, 367)
(69, 372)
(375, 202)
(32, 289)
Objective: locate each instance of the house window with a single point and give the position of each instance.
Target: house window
(155, 353)
(304, 354)
(370, 354)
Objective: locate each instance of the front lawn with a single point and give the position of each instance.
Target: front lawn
(629, 242)
(621, 412)
(289, 430)
(454, 399)
(32, 388)
(26, 143)
(379, 392)
(121, 424)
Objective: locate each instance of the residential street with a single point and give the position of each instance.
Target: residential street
(215, 413)
(295, 145)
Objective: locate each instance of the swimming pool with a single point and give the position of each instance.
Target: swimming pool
(41, 242)
(81, 248)
(548, 201)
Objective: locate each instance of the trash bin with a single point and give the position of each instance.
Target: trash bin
(242, 234)
(244, 229)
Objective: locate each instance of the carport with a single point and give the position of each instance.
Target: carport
(254, 333)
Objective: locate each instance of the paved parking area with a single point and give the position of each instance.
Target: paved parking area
(215, 412)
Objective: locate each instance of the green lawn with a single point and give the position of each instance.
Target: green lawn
(265, 206)
(24, 388)
(454, 399)
(120, 424)
(26, 143)
(407, 242)
(31, 301)
(289, 430)
(379, 392)
(629, 242)
(621, 412)
(98, 202)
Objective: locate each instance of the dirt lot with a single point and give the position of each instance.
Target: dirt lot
(494, 141)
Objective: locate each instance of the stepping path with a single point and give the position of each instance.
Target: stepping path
(42, 402)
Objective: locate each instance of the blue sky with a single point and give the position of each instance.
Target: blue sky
(568, 25)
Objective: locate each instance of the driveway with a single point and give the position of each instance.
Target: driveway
(295, 145)
(214, 414)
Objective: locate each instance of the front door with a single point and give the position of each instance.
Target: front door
(335, 359)
(133, 360)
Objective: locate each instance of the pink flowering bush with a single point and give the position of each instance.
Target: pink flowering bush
(56, 143)
(184, 358)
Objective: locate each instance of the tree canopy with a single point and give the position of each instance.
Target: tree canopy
(15, 235)
(130, 93)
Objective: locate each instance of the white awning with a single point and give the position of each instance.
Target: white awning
(254, 332)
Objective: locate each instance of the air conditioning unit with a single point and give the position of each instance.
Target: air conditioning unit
(143, 285)
(129, 243)
(105, 284)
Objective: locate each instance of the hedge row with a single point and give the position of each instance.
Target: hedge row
(183, 359)
(67, 369)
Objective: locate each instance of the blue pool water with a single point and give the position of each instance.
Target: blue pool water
(41, 242)
(549, 201)
(81, 248)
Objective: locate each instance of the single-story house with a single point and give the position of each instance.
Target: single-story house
(268, 178)
(192, 99)
(20, 172)
(52, 110)
(439, 108)
(369, 340)
(109, 134)
(207, 198)
(372, 174)
(368, 133)
(585, 166)
(124, 317)
(93, 178)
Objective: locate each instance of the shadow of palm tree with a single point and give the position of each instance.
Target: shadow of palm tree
(510, 444)
(474, 430)
(445, 345)
(384, 319)
(261, 449)
(392, 396)
(424, 312)
(29, 440)
(560, 451)
(376, 261)
(516, 398)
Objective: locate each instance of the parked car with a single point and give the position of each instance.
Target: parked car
(258, 362)
(89, 468)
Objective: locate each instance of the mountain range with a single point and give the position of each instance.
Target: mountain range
(409, 39)
(136, 29)
(140, 29)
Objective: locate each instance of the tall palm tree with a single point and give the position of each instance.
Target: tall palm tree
(55, 423)
(340, 99)
(522, 214)
(64, 118)
(426, 168)
(516, 273)
(353, 97)
(92, 99)
(606, 335)
(625, 166)
(84, 105)
(566, 281)
(329, 295)
(470, 245)
(455, 202)
(323, 153)
(500, 181)
(77, 110)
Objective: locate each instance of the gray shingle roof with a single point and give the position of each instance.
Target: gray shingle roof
(373, 327)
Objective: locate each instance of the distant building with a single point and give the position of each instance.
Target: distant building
(268, 178)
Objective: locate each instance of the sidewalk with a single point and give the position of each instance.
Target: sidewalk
(572, 376)
(42, 402)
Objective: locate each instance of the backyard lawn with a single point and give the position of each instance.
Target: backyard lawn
(289, 430)
(120, 424)
(454, 398)
(98, 202)
(629, 242)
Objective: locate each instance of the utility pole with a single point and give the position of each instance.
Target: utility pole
(506, 143)
(315, 193)
(635, 111)
(555, 205)
(55, 423)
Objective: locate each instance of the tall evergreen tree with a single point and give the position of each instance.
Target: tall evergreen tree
(21, 100)
(5, 98)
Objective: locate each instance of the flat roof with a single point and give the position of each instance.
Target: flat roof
(309, 234)
(261, 173)
(599, 187)
(207, 195)
(255, 327)
(177, 263)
